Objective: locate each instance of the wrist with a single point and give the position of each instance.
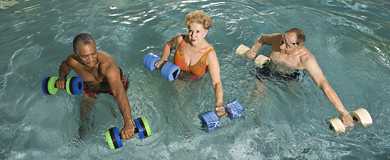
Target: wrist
(162, 60)
(254, 49)
(218, 105)
(260, 39)
(128, 122)
(343, 113)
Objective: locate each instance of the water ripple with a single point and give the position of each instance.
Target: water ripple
(5, 4)
(282, 121)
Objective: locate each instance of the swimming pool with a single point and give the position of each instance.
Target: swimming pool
(350, 39)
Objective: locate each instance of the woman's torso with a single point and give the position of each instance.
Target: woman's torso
(192, 60)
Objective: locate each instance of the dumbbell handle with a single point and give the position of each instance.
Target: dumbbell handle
(161, 66)
(135, 132)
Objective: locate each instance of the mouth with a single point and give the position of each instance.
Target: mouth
(90, 64)
(193, 39)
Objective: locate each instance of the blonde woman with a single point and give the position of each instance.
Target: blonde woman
(195, 56)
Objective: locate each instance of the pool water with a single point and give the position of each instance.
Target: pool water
(285, 120)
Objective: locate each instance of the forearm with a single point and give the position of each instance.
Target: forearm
(257, 45)
(166, 52)
(218, 91)
(124, 107)
(63, 70)
(334, 99)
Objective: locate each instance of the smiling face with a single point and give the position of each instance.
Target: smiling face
(196, 32)
(87, 54)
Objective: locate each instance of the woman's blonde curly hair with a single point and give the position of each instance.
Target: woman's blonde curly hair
(198, 16)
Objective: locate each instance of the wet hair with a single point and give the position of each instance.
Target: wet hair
(198, 16)
(83, 38)
(300, 35)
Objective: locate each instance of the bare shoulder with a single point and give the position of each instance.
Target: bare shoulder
(72, 60)
(104, 57)
(174, 41)
(106, 61)
(179, 36)
(212, 55)
(306, 55)
(210, 48)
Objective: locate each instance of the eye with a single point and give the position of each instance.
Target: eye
(281, 42)
(197, 31)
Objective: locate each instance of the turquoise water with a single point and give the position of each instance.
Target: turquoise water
(350, 39)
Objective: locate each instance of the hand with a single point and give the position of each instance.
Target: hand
(60, 83)
(159, 63)
(346, 118)
(220, 110)
(251, 54)
(127, 131)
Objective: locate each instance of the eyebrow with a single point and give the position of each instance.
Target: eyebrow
(88, 54)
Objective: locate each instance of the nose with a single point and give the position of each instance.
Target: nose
(88, 59)
(192, 34)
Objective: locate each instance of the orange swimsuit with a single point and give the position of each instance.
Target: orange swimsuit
(196, 70)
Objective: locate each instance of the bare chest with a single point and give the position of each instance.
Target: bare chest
(192, 55)
(286, 60)
(92, 75)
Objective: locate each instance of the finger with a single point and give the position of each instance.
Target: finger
(131, 134)
(124, 135)
(219, 109)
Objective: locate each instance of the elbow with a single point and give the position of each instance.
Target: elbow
(115, 93)
(324, 86)
(217, 84)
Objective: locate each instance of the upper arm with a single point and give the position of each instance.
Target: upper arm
(70, 61)
(314, 70)
(214, 69)
(269, 38)
(113, 77)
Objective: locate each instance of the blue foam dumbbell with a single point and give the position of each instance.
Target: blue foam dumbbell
(169, 70)
(210, 120)
(114, 139)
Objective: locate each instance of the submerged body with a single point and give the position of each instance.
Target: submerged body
(289, 55)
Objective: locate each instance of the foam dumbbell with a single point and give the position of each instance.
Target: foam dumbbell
(142, 130)
(210, 120)
(73, 85)
(360, 115)
(242, 49)
(169, 70)
(260, 60)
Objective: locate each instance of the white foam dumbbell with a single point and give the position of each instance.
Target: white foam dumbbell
(360, 115)
(261, 60)
(242, 49)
